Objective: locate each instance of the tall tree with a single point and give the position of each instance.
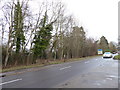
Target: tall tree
(8, 11)
(78, 40)
(112, 47)
(103, 44)
(42, 38)
(18, 27)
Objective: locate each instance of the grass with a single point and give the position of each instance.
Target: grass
(20, 67)
(41, 65)
(117, 57)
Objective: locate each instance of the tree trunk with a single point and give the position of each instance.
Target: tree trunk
(6, 58)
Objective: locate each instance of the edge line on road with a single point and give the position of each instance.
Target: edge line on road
(11, 81)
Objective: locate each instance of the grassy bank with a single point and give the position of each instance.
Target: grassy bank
(48, 63)
(117, 57)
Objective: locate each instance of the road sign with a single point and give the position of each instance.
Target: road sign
(100, 51)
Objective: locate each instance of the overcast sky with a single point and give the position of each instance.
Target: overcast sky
(98, 17)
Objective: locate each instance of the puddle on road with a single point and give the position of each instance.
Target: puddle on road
(98, 84)
(104, 81)
(87, 61)
(111, 76)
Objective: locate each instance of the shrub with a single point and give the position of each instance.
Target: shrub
(117, 57)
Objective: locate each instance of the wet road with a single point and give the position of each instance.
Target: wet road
(89, 73)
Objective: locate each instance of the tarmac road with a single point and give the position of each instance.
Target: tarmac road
(90, 73)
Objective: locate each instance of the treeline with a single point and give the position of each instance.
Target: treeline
(47, 34)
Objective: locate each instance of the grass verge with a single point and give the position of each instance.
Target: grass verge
(41, 65)
(117, 57)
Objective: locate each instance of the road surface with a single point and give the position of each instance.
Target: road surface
(90, 73)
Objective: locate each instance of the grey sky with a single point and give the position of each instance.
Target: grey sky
(98, 17)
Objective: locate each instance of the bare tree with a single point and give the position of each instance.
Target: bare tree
(8, 11)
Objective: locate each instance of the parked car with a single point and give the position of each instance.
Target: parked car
(107, 55)
(114, 52)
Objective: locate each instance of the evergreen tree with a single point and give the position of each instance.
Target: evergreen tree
(42, 38)
(78, 41)
(103, 44)
(18, 27)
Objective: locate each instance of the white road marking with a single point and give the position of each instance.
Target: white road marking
(10, 81)
(65, 68)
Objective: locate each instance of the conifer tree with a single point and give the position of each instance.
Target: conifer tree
(18, 27)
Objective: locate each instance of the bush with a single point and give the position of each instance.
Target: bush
(108, 50)
(117, 57)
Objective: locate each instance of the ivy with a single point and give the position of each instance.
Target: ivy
(42, 38)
